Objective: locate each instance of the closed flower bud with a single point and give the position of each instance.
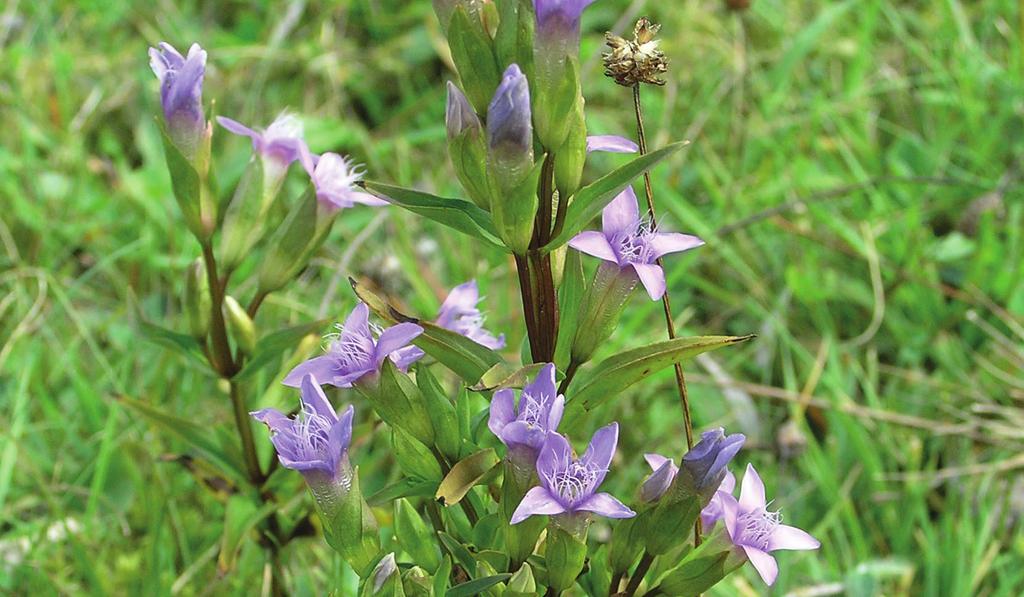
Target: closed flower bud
(197, 299)
(418, 583)
(385, 581)
(241, 325)
(522, 583)
(509, 128)
(467, 147)
(181, 95)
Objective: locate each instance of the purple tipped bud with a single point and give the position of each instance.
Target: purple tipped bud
(707, 460)
(459, 114)
(560, 18)
(386, 569)
(509, 126)
(664, 473)
(181, 94)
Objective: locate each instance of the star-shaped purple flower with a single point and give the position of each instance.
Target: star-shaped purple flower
(316, 441)
(459, 313)
(281, 142)
(334, 176)
(569, 485)
(357, 351)
(181, 93)
(758, 531)
(629, 242)
(523, 428)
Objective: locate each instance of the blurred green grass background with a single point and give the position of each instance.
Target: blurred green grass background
(854, 168)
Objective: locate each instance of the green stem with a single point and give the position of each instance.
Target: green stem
(252, 464)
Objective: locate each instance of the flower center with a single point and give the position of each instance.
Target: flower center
(531, 408)
(350, 349)
(574, 482)
(634, 247)
(757, 526)
(311, 433)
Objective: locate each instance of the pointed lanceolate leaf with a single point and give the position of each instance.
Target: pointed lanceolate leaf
(458, 551)
(404, 487)
(464, 475)
(477, 586)
(504, 375)
(617, 373)
(588, 202)
(181, 343)
(454, 213)
(473, 54)
(468, 359)
(570, 297)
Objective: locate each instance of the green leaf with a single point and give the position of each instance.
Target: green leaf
(473, 55)
(591, 199)
(468, 359)
(458, 551)
(464, 475)
(504, 375)
(570, 298)
(444, 572)
(454, 213)
(201, 438)
(240, 517)
(182, 344)
(617, 373)
(404, 487)
(477, 586)
(272, 346)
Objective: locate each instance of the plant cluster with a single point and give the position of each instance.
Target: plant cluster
(470, 516)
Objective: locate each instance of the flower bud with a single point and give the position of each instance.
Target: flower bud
(466, 146)
(664, 473)
(240, 324)
(509, 128)
(197, 299)
(181, 96)
(699, 476)
(385, 581)
(572, 155)
(415, 537)
(558, 30)
(418, 583)
(522, 583)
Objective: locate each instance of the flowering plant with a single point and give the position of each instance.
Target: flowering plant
(505, 512)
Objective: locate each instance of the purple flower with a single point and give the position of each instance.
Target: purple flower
(459, 115)
(629, 242)
(459, 314)
(334, 177)
(611, 143)
(758, 532)
(707, 460)
(569, 485)
(524, 428)
(280, 144)
(316, 441)
(712, 513)
(356, 352)
(663, 472)
(559, 21)
(181, 94)
(509, 124)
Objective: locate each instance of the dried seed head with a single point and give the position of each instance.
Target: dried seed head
(631, 62)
